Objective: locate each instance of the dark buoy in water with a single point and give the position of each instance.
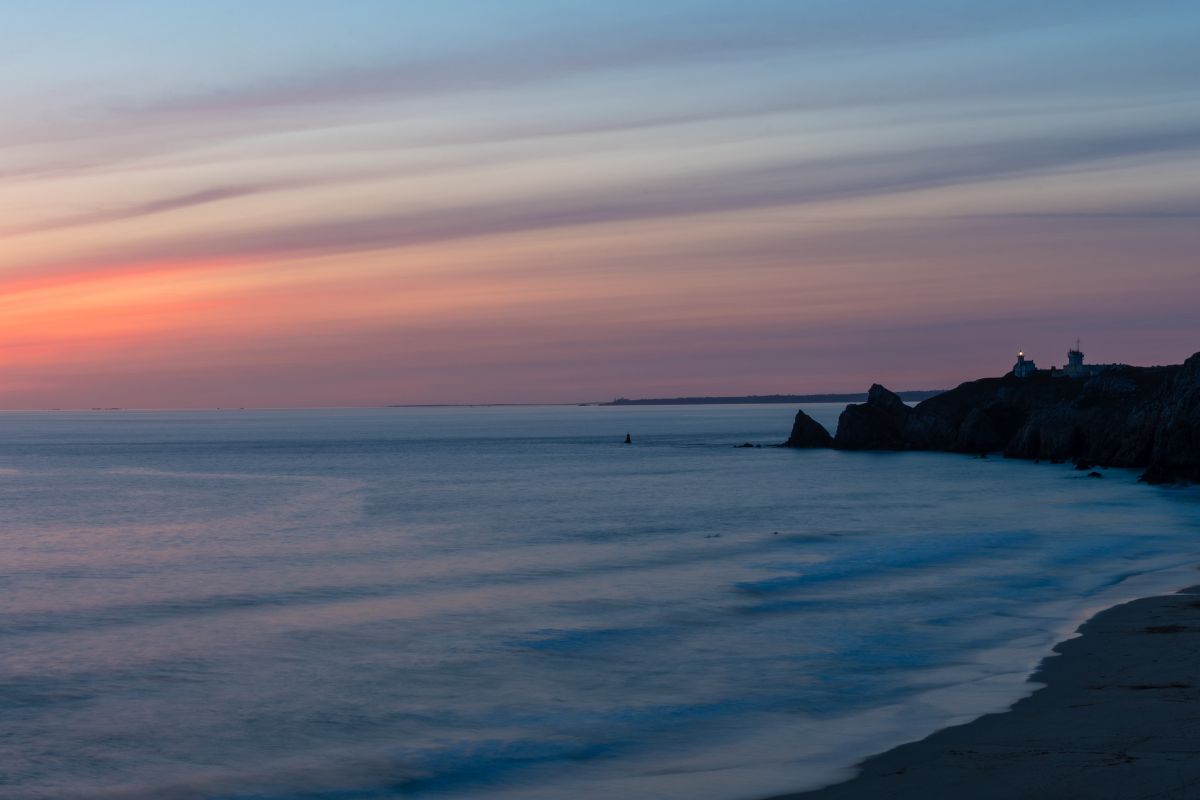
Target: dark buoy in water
(628, 439)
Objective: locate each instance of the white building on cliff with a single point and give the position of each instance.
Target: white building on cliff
(1023, 368)
(1075, 368)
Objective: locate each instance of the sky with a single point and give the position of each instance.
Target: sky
(296, 203)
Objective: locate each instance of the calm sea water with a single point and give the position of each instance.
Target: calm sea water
(510, 603)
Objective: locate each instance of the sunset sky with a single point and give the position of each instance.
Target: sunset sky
(231, 203)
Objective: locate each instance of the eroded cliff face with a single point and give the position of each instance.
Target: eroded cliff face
(1131, 417)
(1175, 455)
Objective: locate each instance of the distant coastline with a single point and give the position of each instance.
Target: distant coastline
(915, 395)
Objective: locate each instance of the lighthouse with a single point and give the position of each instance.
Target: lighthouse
(1023, 368)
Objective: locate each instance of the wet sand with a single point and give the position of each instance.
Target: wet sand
(1118, 719)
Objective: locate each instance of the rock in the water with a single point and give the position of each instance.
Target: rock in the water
(807, 432)
(878, 424)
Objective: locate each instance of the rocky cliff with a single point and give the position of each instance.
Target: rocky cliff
(1147, 417)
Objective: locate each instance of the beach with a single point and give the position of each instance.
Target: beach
(1118, 717)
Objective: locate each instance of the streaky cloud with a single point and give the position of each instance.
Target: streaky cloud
(784, 184)
(663, 39)
(161, 206)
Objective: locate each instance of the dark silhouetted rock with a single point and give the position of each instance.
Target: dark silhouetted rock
(978, 433)
(1146, 417)
(878, 424)
(1175, 455)
(1094, 474)
(807, 432)
(745, 444)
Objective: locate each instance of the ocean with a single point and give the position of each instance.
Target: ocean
(511, 603)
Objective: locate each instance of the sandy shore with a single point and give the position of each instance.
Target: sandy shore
(1119, 719)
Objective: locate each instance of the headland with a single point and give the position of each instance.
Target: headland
(1104, 415)
(1118, 716)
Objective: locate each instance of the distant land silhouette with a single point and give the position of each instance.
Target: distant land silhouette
(1112, 415)
(852, 397)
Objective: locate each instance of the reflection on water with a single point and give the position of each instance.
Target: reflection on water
(510, 602)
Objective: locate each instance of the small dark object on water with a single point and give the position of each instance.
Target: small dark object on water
(775, 533)
(1094, 474)
(745, 444)
(628, 439)
(983, 455)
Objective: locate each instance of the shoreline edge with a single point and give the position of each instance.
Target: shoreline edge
(1117, 715)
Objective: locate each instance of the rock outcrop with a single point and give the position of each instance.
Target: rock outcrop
(1175, 453)
(878, 424)
(807, 432)
(1147, 417)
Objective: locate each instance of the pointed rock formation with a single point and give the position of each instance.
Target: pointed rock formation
(807, 432)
